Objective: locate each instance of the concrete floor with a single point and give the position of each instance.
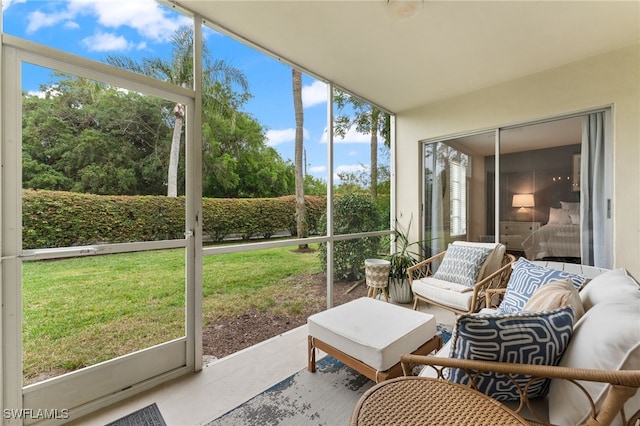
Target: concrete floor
(196, 399)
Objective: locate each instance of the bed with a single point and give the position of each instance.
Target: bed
(559, 238)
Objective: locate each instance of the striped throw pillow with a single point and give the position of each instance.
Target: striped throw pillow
(462, 264)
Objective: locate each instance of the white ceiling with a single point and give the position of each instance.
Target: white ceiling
(452, 47)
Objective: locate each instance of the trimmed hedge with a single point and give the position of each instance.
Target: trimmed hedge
(64, 219)
(352, 213)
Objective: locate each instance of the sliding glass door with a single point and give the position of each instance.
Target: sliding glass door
(541, 189)
(453, 188)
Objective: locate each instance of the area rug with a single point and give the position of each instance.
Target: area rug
(326, 397)
(147, 416)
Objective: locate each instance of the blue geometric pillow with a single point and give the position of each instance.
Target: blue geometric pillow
(525, 279)
(537, 338)
(462, 264)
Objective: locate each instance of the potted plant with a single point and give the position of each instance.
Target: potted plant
(401, 259)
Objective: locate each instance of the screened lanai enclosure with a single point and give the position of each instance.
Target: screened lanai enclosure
(116, 246)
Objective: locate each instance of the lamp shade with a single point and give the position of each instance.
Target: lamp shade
(523, 200)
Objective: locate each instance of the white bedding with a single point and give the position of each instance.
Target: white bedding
(553, 240)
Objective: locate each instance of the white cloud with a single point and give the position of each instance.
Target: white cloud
(38, 20)
(38, 94)
(353, 153)
(317, 169)
(71, 25)
(314, 94)
(7, 3)
(351, 168)
(147, 17)
(105, 42)
(276, 137)
(51, 91)
(352, 136)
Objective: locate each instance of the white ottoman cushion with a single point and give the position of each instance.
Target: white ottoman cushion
(374, 332)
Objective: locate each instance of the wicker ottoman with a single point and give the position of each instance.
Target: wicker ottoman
(369, 336)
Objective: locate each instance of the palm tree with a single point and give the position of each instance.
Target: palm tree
(367, 119)
(179, 71)
(301, 228)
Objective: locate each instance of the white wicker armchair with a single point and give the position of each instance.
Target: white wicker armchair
(457, 298)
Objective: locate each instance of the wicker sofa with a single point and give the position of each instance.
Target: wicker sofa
(594, 378)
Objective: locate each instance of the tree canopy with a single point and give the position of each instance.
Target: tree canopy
(84, 136)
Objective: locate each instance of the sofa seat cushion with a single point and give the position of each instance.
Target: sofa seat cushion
(372, 331)
(451, 294)
(526, 278)
(537, 338)
(462, 264)
(607, 337)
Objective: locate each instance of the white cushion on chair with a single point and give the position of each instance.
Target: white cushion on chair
(455, 295)
(374, 332)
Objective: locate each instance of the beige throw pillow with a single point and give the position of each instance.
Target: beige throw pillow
(555, 295)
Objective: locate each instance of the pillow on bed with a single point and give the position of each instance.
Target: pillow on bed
(565, 205)
(575, 218)
(559, 216)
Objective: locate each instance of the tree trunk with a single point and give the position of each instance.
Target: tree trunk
(301, 226)
(174, 155)
(375, 117)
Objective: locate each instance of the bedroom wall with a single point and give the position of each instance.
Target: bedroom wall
(611, 79)
(532, 172)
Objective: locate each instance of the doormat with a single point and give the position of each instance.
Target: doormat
(147, 416)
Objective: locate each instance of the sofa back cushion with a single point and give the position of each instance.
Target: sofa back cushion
(526, 278)
(538, 338)
(616, 284)
(607, 337)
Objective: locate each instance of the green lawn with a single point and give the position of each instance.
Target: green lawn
(78, 312)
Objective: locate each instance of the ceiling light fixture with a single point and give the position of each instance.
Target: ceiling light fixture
(405, 9)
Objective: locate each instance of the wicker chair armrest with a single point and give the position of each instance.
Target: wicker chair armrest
(492, 293)
(423, 268)
(624, 383)
(496, 280)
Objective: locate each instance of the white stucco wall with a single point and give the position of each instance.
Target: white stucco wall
(610, 79)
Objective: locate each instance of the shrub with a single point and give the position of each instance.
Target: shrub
(352, 213)
(64, 219)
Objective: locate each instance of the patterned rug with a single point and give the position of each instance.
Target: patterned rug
(326, 397)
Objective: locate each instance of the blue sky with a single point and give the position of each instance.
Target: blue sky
(142, 28)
